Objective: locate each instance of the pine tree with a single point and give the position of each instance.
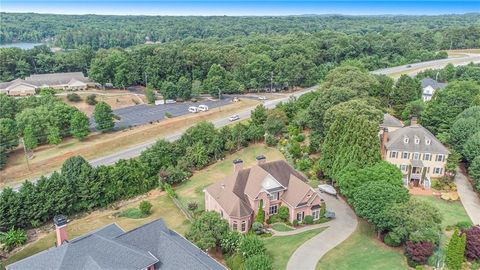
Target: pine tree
(455, 251)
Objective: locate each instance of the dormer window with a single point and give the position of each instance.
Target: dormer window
(428, 141)
(417, 140)
(405, 139)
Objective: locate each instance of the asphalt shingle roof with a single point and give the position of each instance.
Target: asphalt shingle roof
(433, 83)
(396, 141)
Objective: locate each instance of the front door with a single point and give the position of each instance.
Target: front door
(300, 216)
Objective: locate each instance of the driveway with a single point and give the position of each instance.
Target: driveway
(469, 198)
(307, 255)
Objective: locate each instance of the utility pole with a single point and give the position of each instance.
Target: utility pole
(25, 151)
(146, 79)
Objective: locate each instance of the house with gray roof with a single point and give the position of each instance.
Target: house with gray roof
(148, 247)
(238, 197)
(416, 152)
(429, 87)
(30, 85)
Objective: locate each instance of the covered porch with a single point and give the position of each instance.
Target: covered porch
(416, 176)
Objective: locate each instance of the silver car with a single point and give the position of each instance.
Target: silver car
(234, 117)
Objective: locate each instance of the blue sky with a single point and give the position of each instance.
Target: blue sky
(248, 7)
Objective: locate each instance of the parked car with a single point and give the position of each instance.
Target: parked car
(234, 117)
(203, 108)
(193, 109)
(409, 66)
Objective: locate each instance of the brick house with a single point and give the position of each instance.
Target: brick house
(238, 196)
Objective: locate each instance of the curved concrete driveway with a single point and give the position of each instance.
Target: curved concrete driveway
(469, 198)
(307, 255)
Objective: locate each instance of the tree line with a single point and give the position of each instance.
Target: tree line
(71, 31)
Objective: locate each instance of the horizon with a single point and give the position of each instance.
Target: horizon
(242, 8)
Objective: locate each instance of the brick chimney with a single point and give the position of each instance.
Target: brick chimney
(60, 222)
(261, 159)
(384, 141)
(237, 165)
(413, 121)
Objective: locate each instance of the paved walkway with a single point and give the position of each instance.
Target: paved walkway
(307, 255)
(468, 196)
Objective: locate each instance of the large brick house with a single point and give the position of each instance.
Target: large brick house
(148, 247)
(273, 184)
(414, 150)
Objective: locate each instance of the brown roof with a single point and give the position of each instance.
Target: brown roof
(232, 192)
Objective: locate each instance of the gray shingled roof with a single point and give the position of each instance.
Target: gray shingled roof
(396, 141)
(390, 121)
(433, 83)
(111, 248)
(48, 79)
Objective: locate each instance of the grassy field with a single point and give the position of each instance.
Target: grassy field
(193, 189)
(452, 212)
(48, 158)
(162, 208)
(362, 251)
(281, 248)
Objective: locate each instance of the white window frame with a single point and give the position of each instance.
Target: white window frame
(437, 170)
(403, 167)
(428, 141)
(440, 157)
(316, 214)
(416, 156)
(417, 140)
(301, 216)
(275, 207)
(235, 225)
(393, 154)
(405, 140)
(425, 155)
(244, 226)
(405, 155)
(275, 196)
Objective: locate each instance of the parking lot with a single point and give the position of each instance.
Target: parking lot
(144, 114)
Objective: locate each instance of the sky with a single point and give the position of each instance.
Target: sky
(239, 8)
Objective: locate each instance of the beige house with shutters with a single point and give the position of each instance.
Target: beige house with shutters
(414, 150)
(238, 197)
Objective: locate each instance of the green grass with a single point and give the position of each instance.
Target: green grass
(281, 248)
(363, 251)
(134, 213)
(452, 212)
(281, 227)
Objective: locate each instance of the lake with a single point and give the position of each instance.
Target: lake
(21, 45)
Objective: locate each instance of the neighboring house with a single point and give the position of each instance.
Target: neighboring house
(419, 155)
(238, 196)
(60, 81)
(429, 87)
(148, 247)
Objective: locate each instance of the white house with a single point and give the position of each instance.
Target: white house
(429, 87)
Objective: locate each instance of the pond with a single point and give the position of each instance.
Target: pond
(21, 45)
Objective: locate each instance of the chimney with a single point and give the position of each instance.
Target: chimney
(237, 165)
(261, 159)
(413, 121)
(384, 142)
(60, 222)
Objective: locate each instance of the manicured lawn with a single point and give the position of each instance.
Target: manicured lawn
(282, 247)
(363, 251)
(134, 213)
(281, 227)
(452, 212)
(193, 189)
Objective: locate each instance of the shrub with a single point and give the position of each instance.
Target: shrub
(270, 140)
(192, 206)
(295, 223)
(418, 253)
(455, 251)
(258, 262)
(235, 262)
(283, 213)
(300, 138)
(304, 164)
(73, 97)
(13, 238)
(251, 245)
(230, 242)
(168, 115)
(150, 94)
(261, 215)
(474, 171)
(168, 188)
(257, 227)
(392, 239)
(91, 99)
(133, 213)
(145, 207)
(308, 220)
(323, 209)
(472, 248)
(463, 225)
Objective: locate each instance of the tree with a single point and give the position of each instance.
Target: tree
(54, 135)
(196, 88)
(8, 138)
(216, 80)
(79, 125)
(276, 122)
(413, 109)
(466, 124)
(283, 213)
(29, 139)
(259, 115)
(145, 207)
(184, 88)
(91, 99)
(103, 116)
(455, 251)
(160, 155)
(150, 94)
(442, 110)
(471, 149)
(474, 171)
(207, 230)
(373, 199)
(230, 242)
(419, 252)
(406, 89)
(168, 90)
(8, 106)
(472, 248)
(364, 107)
(258, 262)
(260, 218)
(251, 245)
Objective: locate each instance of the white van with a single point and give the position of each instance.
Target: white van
(193, 109)
(203, 108)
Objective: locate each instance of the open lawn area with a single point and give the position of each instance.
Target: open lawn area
(362, 251)
(282, 247)
(452, 212)
(280, 227)
(193, 189)
(162, 207)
